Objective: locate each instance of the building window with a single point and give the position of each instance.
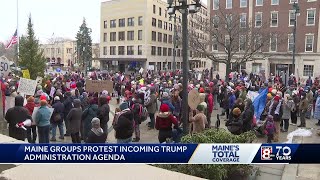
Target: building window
(215, 4)
(290, 42)
(170, 39)
(274, 2)
(242, 43)
(243, 20)
(130, 50)
(154, 22)
(122, 22)
(153, 50)
(293, 1)
(139, 50)
(130, 35)
(154, 36)
(170, 27)
(112, 50)
(104, 50)
(228, 4)
(159, 51)
(159, 37)
(154, 9)
(228, 23)
(140, 35)
(113, 36)
(105, 24)
(113, 23)
(309, 42)
(169, 65)
(308, 70)
(311, 17)
(227, 41)
(105, 37)
(164, 65)
(216, 21)
(165, 25)
(259, 2)
(158, 66)
(121, 50)
(140, 20)
(121, 36)
(273, 43)
(274, 19)
(160, 24)
(215, 66)
(165, 52)
(131, 21)
(165, 38)
(291, 17)
(258, 19)
(160, 11)
(243, 3)
(258, 42)
(214, 44)
(178, 53)
(169, 51)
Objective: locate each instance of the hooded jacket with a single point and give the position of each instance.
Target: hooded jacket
(124, 125)
(164, 121)
(247, 116)
(58, 109)
(87, 115)
(96, 136)
(103, 111)
(16, 115)
(74, 117)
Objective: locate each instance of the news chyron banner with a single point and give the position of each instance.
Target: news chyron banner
(160, 153)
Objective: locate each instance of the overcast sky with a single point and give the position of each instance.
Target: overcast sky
(51, 18)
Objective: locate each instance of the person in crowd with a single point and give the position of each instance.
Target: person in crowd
(57, 119)
(87, 116)
(287, 106)
(238, 104)
(96, 135)
(17, 115)
(74, 117)
(231, 102)
(124, 124)
(210, 102)
(317, 109)
(303, 107)
(295, 108)
(199, 121)
(247, 115)
(270, 129)
(235, 124)
(276, 110)
(42, 120)
(103, 113)
(151, 106)
(243, 93)
(84, 100)
(309, 97)
(166, 100)
(32, 130)
(164, 122)
(137, 110)
(67, 108)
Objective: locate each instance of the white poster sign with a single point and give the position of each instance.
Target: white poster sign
(141, 70)
(199, 77)
(27, 86)
(36, 110)
(4, 66)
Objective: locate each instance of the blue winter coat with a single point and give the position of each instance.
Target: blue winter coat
(317, 109)
(232, 100)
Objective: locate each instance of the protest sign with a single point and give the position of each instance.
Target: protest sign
(141, 70)
(193, 99)
(36, 110)
(99, 86)
(4, 66)
(26, 74)
(27, 86)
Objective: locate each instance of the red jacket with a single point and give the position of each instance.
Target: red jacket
(164, 122)
(30, 107)
(210, 103)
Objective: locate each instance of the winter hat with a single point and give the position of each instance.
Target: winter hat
(201, 90)
(165, 95)
(274, 91)
(124, 106)
(43, 98)
(164, 108)
(57, 98)
(269, 96)
(200, 107)
(30, 99)
(105, 93)
(211, 84)
(277, 98)
(236, 111)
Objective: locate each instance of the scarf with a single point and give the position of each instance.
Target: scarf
(97, 131)
(277, 111)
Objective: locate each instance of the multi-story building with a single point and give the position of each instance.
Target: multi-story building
(61, 52)
(138, 33)
(280, 16)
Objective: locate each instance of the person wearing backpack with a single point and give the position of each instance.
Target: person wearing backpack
(57, 119)
(123, 124)
(103, 113)
(137, 109)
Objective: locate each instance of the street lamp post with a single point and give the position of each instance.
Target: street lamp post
(175, 37)
(184, 8)
(296, 12)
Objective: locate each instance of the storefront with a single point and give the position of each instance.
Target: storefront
(284, 70)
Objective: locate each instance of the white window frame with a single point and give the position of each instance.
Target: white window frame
(245, 20)
(270, 49)
(272, 12)
(229, 2)
(305, 43)
(259, 4)
(243, 1)
(215, 5)
(293, 1)
(292, 11)
(255, 19)
(314, 17)
(303, 71)
(275, 3)
(289, 37)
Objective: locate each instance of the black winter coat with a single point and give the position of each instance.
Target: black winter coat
(93, 138)
(124, 125)
(247, 117)
(58, 109)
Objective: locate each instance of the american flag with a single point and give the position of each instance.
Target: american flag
(13, 40)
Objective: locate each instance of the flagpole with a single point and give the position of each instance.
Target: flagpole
(18, 40)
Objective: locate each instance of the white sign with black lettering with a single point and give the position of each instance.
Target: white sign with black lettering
(4, 66)
(27, 86)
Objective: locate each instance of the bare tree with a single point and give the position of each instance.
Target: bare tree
(232, 39)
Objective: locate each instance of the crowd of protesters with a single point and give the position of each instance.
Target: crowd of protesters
(156, 97)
